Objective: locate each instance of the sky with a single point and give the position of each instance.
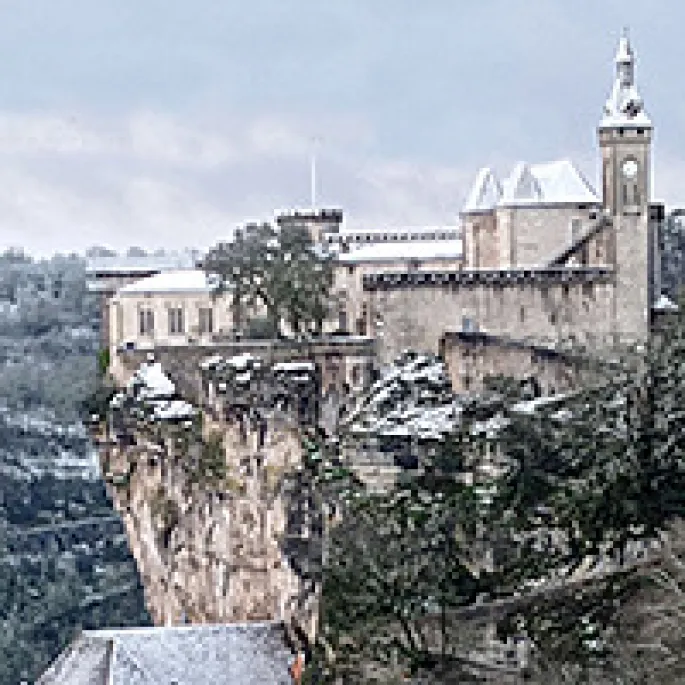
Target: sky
(163, 123)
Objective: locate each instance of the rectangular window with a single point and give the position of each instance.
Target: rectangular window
(342, 318)
(175, 320)
(146, 322)
(206, 320)
(363, 319)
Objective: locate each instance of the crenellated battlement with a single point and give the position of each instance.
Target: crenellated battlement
(332, 216)
(494, 277)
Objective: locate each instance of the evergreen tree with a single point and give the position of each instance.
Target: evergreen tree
(577, 485)
(282, 272)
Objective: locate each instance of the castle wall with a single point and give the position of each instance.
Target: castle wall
(481, 240)
(470, 358)
(418, 315)
(320, 224)
(343, 363)
(534, 235)
(348, 287)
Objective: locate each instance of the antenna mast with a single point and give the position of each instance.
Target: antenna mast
(313, 180)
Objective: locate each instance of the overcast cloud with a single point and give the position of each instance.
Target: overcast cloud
(167, 122)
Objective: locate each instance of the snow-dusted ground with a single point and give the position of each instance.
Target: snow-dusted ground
(34, 443)
(413, 398)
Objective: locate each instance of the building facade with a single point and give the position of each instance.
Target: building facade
(539, 257)
(545, 257)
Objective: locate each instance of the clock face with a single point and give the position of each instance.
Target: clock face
(629, 168)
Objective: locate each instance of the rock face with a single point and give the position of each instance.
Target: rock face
(206, 491)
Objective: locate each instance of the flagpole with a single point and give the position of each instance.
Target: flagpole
(313, 180)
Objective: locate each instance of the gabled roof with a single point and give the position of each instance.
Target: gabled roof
(521, 185)
(233, 654)
(485, 193)
(554, 183)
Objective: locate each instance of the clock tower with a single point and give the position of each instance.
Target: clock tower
(625, 140)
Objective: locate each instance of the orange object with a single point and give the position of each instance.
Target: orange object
(297, 669)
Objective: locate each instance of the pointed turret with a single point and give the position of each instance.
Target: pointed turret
(624, 108)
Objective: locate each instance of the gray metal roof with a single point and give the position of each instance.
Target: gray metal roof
(232, 654)
(132, 264)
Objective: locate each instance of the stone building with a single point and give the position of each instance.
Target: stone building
(172, 307)
(545, 259)
(539, 257)
(237, 654)
(106, 275)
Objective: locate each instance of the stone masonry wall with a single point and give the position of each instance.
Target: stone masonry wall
(421, 314)
(342, 361)
(470, 358)
(533, 236)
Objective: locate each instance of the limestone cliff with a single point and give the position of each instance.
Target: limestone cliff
(208, 492)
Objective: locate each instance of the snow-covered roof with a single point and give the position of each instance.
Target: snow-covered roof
(179, 280)
(624, 108)
(234, 654)
(552, 183)
(393, 251)
(557, 182)
(485, 193)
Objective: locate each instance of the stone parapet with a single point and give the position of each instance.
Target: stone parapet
(494, 277)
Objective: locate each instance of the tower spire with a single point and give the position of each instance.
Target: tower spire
(624, 106)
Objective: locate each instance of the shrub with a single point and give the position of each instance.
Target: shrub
(103, 361)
